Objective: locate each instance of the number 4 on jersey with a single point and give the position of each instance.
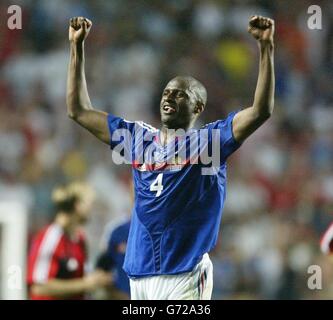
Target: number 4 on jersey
(157, 185)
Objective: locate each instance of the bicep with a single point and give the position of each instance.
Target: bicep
(245, 123)
(95, 121)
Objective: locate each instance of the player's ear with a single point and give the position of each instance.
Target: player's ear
(199, 107)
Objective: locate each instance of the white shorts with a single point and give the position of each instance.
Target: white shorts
(195, 285)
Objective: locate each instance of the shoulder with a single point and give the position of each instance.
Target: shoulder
(48, 234)
(112, 119)
(111, 231)
(145, 126)
(220, 123)
(120, 229)
(48, 239)
(123, 228)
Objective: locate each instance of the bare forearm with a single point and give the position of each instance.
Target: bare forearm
(250, 119)
(264, 95)
(77, 92)
(61, 288)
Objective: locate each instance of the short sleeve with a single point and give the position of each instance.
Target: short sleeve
(221, 130)
(42, 262)
(128, 138)
(121, 132)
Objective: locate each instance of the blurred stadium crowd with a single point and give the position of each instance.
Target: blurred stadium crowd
(280, 187)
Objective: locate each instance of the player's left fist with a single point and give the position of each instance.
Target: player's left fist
(262, 28)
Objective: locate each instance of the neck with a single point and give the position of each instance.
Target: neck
(67, 222)
(168, 133)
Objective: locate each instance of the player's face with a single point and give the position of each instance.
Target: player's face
(83, 208)
(177, 105)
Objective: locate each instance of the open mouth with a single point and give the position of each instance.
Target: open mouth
(168, 109)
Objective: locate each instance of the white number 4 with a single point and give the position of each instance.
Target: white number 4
(157, 185)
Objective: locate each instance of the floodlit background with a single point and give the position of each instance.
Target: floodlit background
(280, 186)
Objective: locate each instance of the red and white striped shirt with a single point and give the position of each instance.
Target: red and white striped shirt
(326, 242)
(54, 255)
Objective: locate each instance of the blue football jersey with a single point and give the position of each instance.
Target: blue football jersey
(179, 195)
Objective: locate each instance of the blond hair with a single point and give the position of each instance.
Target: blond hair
(65, 197)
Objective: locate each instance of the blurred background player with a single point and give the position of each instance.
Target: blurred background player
(58, 254)
(112, 260)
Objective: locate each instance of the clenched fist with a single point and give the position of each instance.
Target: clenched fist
(79, 28)
(261, 28)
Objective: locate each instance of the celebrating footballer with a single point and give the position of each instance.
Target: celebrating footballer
(179, 197)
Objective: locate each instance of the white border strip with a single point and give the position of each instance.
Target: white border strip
(13, 220)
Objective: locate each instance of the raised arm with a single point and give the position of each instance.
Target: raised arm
(79, 107)
(248, 120)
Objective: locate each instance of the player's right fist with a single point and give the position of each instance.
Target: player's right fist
(79, 28)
